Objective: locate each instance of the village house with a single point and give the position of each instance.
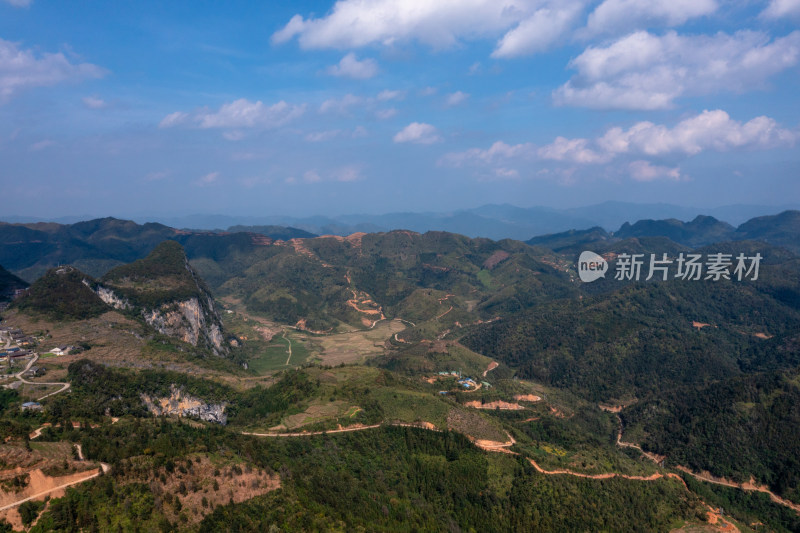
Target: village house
(62, 350)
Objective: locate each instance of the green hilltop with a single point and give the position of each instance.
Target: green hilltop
(63, 293)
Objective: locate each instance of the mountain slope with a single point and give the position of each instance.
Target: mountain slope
(63, 293)
(9, 283)
(780, 230)
(701, 231)
(164, 289)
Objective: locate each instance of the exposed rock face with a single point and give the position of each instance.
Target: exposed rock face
(166, 292)
(110, 297)
(188, 321)
(180, 404)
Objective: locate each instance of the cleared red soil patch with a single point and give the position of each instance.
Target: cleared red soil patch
(41, 485)
(701, 325)
(527, 398)
(492, 366)
(762, 336)
(497, 404)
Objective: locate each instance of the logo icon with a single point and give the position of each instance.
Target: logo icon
(591, 267)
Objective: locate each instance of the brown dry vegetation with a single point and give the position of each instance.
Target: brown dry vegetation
(354, 347)
(193, 483)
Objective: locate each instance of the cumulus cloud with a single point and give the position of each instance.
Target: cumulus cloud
(782, 8)
(320, 136)
(238, 114)
(499, 151)
(646, 71)
(387, 95)
(623, 15)
(419, 133)
(707, 131)
(456, 98)
(348, 174)
(526, 26)
(23, 69)
(93, 102)
(19, 3)
(710, 130)
(384, 114)
(311, 176)
(41, 145)
(207, 180)
(351, 67)
(340, 105)
(644, 171)
(537, 32)
(573, 150)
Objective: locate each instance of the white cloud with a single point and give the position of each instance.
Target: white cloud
(498, 152)
(351, 67)
(93, 102)
(23, 69)
(710, 130)
(428, 91)
(359, 131)
(419, 133)
(623, 15)
(645, 71)
(572, 150)
(348, 174)
(528, 25)
(240, 113)
(311, 176)
(506, 173)
(782, 8)
(243, 113)
(537, 32)
(41, 145)
(386, 95)
(456, 98)
(340, 105)
(156, 175)
(644, 171)
(384, 114)
(707, 131)
(207, 180)
(234, 135)
(173, 119)
(19, 3)
(320, 136)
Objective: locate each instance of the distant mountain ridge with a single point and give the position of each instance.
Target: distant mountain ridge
(96, 246)
(493, 221)
(782, 229)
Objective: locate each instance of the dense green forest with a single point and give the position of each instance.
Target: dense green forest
(734, 428)
(392, 479)
(641, 340)
(61, 294)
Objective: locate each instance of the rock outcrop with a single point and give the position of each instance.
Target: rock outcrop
(178, 403)
(168, 295)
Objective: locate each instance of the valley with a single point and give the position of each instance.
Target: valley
(306, 360)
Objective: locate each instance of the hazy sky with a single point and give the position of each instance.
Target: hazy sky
(369, 106)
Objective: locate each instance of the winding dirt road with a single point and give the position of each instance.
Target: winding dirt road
(18, 375)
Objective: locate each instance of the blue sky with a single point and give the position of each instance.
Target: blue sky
(371, 106)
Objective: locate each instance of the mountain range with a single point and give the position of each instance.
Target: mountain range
(493, 221)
